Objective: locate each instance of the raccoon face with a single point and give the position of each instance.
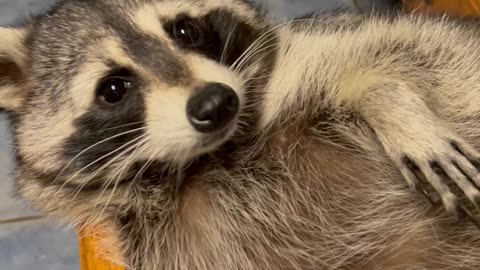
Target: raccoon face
(97, 86)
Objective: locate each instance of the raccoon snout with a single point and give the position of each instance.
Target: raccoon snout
(213, 108)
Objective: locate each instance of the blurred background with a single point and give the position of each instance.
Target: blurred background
(28, 241)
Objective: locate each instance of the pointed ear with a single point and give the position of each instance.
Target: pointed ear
(13, 61)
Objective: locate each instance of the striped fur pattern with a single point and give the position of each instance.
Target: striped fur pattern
(337, 110)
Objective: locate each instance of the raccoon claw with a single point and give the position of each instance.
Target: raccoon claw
(458, 165)
(461, 213)
(464, 212)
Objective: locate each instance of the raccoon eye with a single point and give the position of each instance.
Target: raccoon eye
(188, 33)
(113, 90)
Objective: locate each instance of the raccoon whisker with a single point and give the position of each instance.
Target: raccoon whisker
(252, 73)
(257, 48)
(268, 32)
(253, 46)
(254, 43)
(121, 126)
(105, 156)
(226, 48)
(255, 51)
(248, 82)
(257, 77)
(176, 155)
(241, 127)
(127, 147)
(257, 43)
(145, 166)
(133, 156)
(171, 167)
(258, 61)
(129, 124)
(97, 171)
(250, 106)
(93, 146)
(127, 163)
(105, 185)
(180, 175)
(79, 189)
(264, 50)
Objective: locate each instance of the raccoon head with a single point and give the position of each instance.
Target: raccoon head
(97, 88)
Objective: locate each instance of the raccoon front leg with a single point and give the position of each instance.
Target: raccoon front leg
(422, 145)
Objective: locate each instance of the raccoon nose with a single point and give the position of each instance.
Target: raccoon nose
(212, 108)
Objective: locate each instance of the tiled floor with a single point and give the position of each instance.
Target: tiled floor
(41, 245)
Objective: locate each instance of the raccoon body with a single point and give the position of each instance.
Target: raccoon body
(203, 136)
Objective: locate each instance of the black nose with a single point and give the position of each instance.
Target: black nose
(212, 108)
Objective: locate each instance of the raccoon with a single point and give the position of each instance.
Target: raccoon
(204, 135)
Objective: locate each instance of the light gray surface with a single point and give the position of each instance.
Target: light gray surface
(44, 246)
(39, 246)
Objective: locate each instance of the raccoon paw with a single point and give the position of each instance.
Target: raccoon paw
(450, 162)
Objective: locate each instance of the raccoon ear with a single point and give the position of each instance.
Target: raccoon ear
(13, 59)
